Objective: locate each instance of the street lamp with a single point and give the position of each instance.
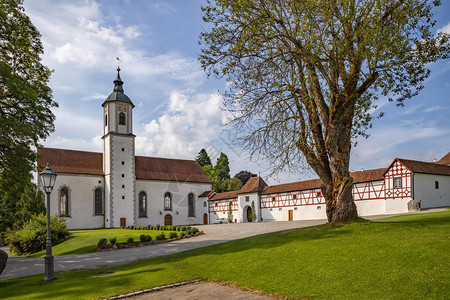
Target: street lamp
(48, 178)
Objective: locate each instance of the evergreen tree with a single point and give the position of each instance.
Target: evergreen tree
(222, 167)
(253, 212)
(203, 158)
(230, 213)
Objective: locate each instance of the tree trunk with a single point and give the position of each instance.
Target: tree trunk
(339, 200)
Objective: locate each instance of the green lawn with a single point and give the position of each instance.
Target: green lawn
(404, 257)
(85, 241)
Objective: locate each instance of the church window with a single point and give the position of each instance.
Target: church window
(98, 201)
(191, 205)
(123, 163)
(436, 185)
(123, 175)
(142, 205)
(64, 202)
(123, 149)
(121, 118)
(106, 120)
(397, 183)
(168, 201)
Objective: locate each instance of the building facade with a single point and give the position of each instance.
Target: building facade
(117, 188)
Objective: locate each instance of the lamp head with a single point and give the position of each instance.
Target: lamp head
(48, 178)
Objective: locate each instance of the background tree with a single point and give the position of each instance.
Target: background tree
(203, 158)
(244, 176)
(222, 166)
(304, 74)
(25, 108)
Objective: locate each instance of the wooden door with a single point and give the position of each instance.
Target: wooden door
(205, 219)
(123, 222)
(291, 215)
(167, 220)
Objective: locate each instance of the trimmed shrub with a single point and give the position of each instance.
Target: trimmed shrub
(113, 240)
(189, 232)
(183, 234)
(130, 240)
(183, 228)
(145, 238)
(194, 230)
(161, 236)
(32, 236)
(172, 235)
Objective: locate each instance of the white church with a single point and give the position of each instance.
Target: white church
(117, 188)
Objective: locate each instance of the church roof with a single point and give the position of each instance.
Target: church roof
(118, 93)
(147, 168)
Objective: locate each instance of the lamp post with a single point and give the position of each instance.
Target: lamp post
(48, 178)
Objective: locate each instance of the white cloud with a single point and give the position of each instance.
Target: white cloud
(445, 29)
(189, 124)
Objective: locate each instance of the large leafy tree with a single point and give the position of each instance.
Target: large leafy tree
(25, 111)
(244, 176)
(304, 75)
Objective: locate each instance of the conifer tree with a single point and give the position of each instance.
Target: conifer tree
(203, 158)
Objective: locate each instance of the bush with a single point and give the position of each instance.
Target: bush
(172, 235)
(32, 236)
(194, 230)
(145, 238)
(161, 237)
(113, 240)
(183, 234)
(130, 240)
(183, 228)
(189, 232)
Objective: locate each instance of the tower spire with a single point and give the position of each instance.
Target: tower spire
(118, 82)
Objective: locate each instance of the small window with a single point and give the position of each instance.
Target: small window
(204, 204)
(215, 205)
(123, 197)
(397, 183)
(273, 199)
(123, 186)
(123, 149)
(121, 118)
(98, 201)
(167, 201)
(123, 175)
(436, 185)
(64, 203)
(123, 163)
(319, 194)
(247, 198)
(142, 205)
(106, 120)
(294, 197)
(191, 205)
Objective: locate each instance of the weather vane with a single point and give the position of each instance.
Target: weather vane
(118, 62)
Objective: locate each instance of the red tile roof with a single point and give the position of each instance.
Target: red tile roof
(425, 167)
(226, 195)
(294, 186)
(445, 160)
(208, 194)
(150, 168)
(71, 161)
(254, 184)
(153, 168)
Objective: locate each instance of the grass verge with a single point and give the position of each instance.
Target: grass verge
(85, 241)
(404, 257)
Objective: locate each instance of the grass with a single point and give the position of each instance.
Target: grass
(85, 241)
(405, 257)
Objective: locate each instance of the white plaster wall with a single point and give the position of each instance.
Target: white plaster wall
(427, 194)
(304, 212)
(242, 207)
(81, 199)
(370, 207)
(396, 205)
(122, 188)
(156, 190)
(203, 208)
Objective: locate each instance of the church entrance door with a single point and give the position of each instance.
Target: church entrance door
(205, 219)
(168, 220)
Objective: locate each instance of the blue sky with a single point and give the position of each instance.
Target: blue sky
(178, 109)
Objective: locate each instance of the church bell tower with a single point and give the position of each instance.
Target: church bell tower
(118, 158)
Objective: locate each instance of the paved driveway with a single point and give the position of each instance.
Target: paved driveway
(214, 234)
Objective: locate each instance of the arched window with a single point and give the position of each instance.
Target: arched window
(64, 202)
(167, 201)
(98, 201)
(142, 205)
(121, 118)
(191, 205)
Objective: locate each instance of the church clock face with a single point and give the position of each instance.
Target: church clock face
(122, 107)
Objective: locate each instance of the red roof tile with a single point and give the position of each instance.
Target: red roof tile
(226, 195)
(445, 160)
(71, 161)
(294, 186)
(254, 184)
(425, 167)
(208, 194)
(150, 168)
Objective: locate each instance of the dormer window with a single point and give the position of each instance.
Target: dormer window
(121, 118)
